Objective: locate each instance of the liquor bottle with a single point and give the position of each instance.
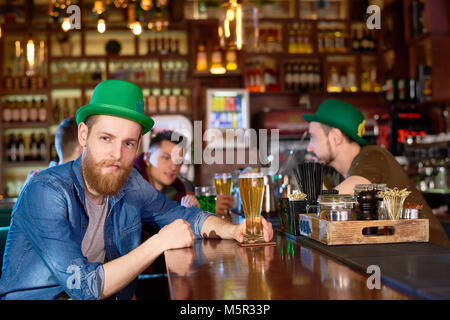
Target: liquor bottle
(317, 78)
(202, 58)
(33, 111)
(42, 111)
(295, 76)
(152, 103)
(292, 48)
(310, 76)
(12, 149)
(42, 147)
(66, 109)
(320, 41)
(162, 102)
(8, 81)
(56, 111)
(303, 78)
(24, 111)
(34, 150)
(173, 100)
(20, 146)
(7, 112)
(16, 110)
(182, 101)
(401, 90)
(231, 59)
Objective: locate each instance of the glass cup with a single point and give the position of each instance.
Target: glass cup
(206, 196)
(224, 184)
(251, 189)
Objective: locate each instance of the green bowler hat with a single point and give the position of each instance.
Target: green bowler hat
(117, 98)
(343, 116)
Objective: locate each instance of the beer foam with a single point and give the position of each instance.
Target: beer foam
(251, 175)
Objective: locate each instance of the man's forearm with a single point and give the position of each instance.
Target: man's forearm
(214, 227)
(121, 271)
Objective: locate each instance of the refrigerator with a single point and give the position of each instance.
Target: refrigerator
(227, 117)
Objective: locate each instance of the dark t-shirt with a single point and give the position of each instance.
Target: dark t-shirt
(378, 165)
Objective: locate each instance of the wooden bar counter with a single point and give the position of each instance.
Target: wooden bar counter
(222, 270)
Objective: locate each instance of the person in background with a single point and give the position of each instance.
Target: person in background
(158, 167)
(66, 145)
(76, 227)
(66, 141)
(337, 130)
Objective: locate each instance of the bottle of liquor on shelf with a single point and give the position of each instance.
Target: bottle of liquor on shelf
(162, 102)
(173, 99)
(42, 111)
(202, 58)
(152, 103)
(56, 111)
(42, 147)
(33, 111)
(15, 115)
(292, 47)
(295, 86)
(183, 101)
(7, 112)
(340, 41)
(303, 85)
(12, 149)
(8, 80)
(310, 76)
(317, 78)
(34, 149)
(356, 44)
(231, 59)
(24, 111)
(20, 147)
(320, 41)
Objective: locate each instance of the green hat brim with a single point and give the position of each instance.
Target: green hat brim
(105, 109)
(331, 123)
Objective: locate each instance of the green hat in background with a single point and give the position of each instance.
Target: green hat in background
(343, 116)
(117, 98)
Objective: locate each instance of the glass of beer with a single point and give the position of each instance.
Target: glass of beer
(251, 189)
(224, 183)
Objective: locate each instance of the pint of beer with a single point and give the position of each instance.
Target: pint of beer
(251, 189)
(223, 182)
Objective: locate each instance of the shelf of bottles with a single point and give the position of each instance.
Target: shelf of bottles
(341, 74)
(325, 9)
(167, 101)
(25, 61)
(24, 110)
(215, 60)
(65, 103)
(270, 38)
(302, 76)
(77, 72)
(262, 74)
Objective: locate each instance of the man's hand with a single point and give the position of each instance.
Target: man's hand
(267, 231)
(177, 234)
(224, 202)
(189, 200)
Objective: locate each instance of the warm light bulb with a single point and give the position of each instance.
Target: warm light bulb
(66, 24)
(239, 39)
(101, 25)
(136, 28)
(30, 53)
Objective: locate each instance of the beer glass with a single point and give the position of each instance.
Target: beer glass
(251, 189)
(206, 196)
(224, 183)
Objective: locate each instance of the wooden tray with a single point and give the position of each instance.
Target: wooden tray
(351, 232)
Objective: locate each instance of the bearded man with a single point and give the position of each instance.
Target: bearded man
(75, 230)
(337, 130)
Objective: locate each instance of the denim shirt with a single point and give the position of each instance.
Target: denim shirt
(43, 255)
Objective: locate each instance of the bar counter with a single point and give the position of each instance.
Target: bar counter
(289, 270)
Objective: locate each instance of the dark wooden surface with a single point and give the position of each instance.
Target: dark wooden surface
(222, 270)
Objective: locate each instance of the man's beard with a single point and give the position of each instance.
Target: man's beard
(329, 157)
(104, 184)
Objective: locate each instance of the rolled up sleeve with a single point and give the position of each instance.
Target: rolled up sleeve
(43, 217)
(161, 211)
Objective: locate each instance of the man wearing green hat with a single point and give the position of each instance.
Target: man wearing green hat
(75, 230)
(337, 129)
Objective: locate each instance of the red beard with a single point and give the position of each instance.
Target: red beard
(104, 184)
